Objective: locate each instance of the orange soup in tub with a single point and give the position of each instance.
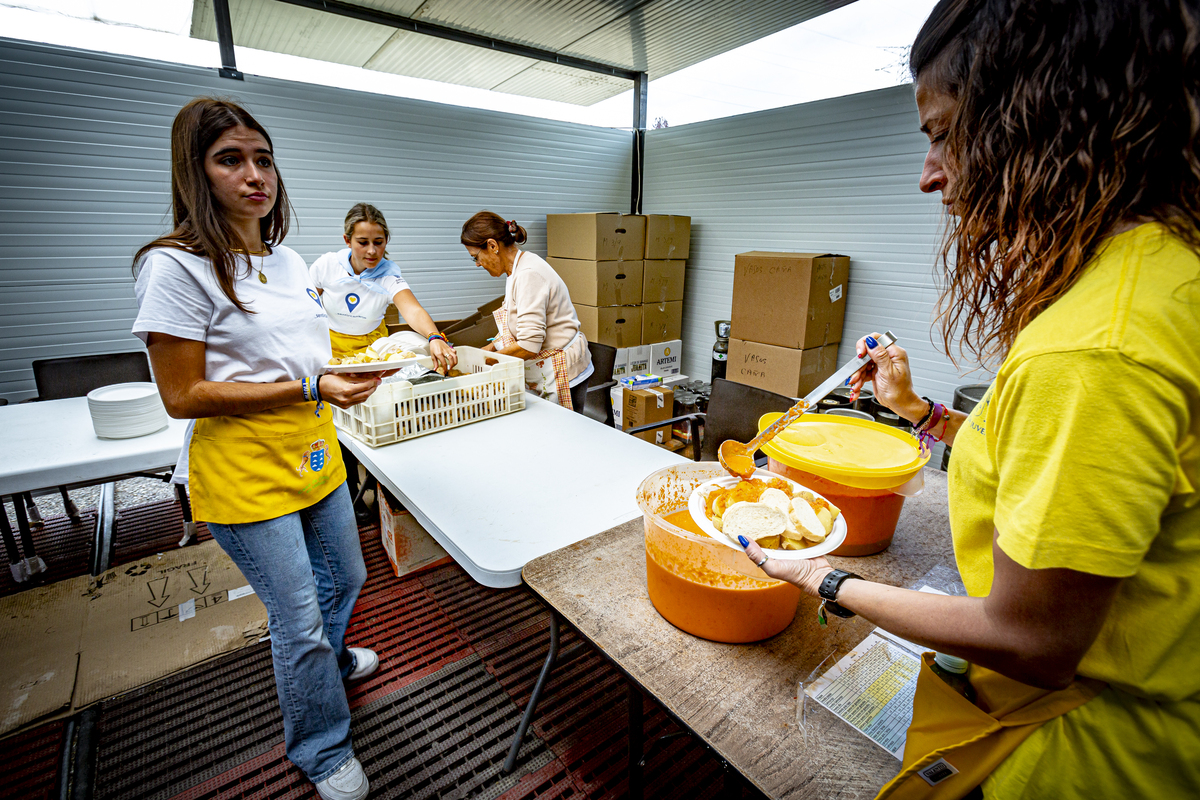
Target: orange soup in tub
(699, 585)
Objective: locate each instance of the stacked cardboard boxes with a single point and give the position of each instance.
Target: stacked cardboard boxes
(625, 273)
(788, 311)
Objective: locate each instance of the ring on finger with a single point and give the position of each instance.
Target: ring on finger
(765, 559)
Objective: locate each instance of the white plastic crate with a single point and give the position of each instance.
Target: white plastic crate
(399, 410)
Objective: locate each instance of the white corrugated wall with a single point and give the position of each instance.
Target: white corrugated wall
(84, 181)
(835, 175)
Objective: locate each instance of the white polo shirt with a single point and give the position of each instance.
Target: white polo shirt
(356, 304)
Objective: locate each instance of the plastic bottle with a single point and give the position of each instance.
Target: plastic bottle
(953, 671)
(720, 353)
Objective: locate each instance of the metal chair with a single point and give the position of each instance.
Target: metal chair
(733, 412)
(598, 405)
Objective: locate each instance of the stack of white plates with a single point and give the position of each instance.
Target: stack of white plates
(126, 410)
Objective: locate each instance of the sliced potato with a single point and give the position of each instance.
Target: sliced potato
(826, 520)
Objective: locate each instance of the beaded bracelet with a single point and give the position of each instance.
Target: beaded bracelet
(924, 419)
(924, 432)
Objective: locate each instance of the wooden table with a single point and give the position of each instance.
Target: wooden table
(741, 699)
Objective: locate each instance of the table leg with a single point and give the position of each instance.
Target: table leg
(15, 564)
(69, 504)
(33, 563)
(35, 514)
(636, 736)
(185, 506)
(106, 517)
(510, 763)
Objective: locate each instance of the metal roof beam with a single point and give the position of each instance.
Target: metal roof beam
(463, 37)
(225, 40)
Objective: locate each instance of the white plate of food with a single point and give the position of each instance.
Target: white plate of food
(372, 366)
(810, 527)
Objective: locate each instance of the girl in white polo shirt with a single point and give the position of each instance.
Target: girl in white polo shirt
(357, 284)
(238, 337)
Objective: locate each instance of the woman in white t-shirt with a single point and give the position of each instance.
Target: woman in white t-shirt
(238, 337)
(357, 284)
(537, 321)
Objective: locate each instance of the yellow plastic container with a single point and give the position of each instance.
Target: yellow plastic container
(698, 585)
(857, 464)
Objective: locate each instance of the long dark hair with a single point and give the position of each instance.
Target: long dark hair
(200, 228)
(1070, 118)
(485, 225)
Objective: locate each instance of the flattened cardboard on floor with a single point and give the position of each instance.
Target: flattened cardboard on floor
(40, 632)
(616, 326)
(601, 283)
(793, 373)
(795, 300)
(663, 281)
(162, 614)
(596, 237)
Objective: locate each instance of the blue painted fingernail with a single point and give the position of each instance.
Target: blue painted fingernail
(871, 343)
(743, 541)
(847, 383)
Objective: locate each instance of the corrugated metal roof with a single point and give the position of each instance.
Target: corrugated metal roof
(653, 36)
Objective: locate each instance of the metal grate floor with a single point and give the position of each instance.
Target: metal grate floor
(457, 663)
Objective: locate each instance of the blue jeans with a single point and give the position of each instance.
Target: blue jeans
(307, 568)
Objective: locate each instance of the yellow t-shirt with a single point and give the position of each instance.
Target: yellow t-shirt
(1085, 455)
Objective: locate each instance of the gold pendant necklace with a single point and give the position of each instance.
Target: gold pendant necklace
(262, 278)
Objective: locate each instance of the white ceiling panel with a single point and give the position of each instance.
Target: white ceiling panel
(654, 36)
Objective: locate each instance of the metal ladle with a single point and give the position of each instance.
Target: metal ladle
(738, 458)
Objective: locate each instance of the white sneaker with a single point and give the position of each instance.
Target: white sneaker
(365, 663)
(348, 783)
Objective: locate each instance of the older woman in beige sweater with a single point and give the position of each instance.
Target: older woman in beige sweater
(537, 321)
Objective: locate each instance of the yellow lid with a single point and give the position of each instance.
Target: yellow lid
(845, 450)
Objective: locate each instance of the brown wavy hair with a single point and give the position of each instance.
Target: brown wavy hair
(365, 212)
(486, 225)
(1070, 119)
(200, 228)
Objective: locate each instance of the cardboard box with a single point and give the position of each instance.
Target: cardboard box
(782, 370)
(617, 396)
(641, 381)
(662, 322)
(795, 300)
(477, 334)
(645, 406)
(666, 358)
(409, 547)
(620, 363)
(662, 281)
(616, 326)
(596, 237)
(639, 359)
(668, 236)
(601, 283)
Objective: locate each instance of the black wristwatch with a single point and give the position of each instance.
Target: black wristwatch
(828, 591)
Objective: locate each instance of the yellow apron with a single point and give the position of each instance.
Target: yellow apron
(545, 373)
(347, 344)
(254, 467)
(953, 745)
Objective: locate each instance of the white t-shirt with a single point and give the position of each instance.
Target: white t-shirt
(285, 339)
(356, 305)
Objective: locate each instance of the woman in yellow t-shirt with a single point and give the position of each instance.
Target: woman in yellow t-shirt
(1065, 144)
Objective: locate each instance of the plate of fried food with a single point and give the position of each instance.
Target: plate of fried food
(787, 520)
(377, 357)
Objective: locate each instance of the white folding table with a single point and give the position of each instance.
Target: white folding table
(498, 493)
(53, 443)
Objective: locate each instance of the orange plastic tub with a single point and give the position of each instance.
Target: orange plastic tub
(859, 465)
(698, 585)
